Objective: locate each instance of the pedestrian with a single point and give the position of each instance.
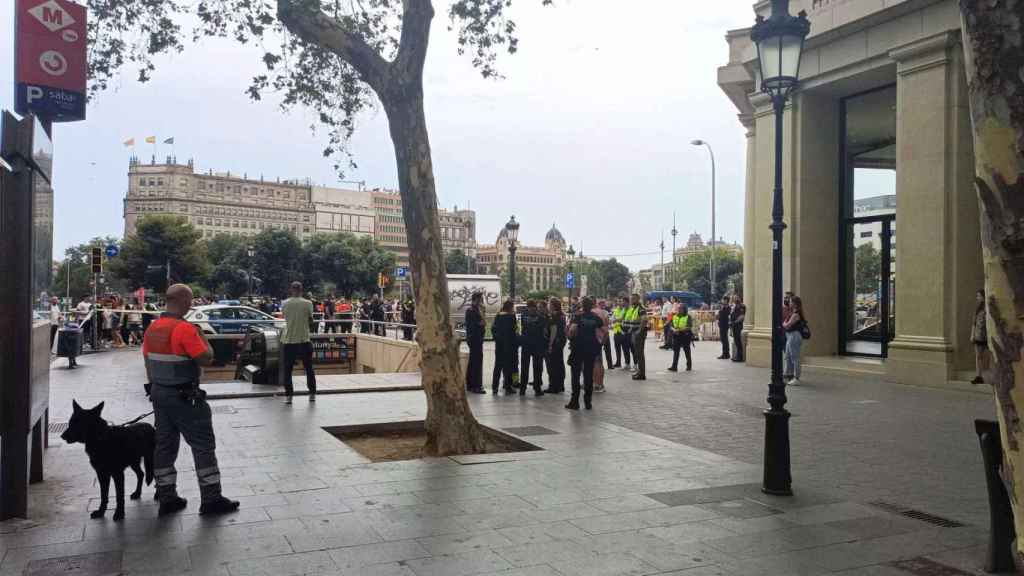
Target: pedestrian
(408, 319)
(635, 324)
(621, 341)
(607, 344)
(55, 317)
(329, 309)
(602, 340)
(475, 325)
(377, 316)
(787, 309)
(682, 338)
(794, 327)
(298, 316)
(364, 315)
(505, 331)
(343, 313)
(587, 351)
(556, 347)
(667, 308)
(724, 320)
(736, 319)
(134, 318)
(174, 350)
(979, 337)
(534, 347)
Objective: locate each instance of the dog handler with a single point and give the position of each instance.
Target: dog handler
(174, 350)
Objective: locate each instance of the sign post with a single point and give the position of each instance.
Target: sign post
(50, 64)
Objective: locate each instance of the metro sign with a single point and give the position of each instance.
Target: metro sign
(51, 15)
(51, 65)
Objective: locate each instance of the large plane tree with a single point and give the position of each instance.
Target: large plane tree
(339, 58)
(993, 33)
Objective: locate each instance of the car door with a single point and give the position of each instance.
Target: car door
(224, 321)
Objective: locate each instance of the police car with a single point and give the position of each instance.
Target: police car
(222, 319)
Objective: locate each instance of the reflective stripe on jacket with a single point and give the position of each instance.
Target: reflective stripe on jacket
(163, 366)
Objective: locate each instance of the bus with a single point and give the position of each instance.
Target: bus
(691, 299)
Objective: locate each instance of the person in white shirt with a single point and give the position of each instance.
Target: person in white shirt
(55, 316)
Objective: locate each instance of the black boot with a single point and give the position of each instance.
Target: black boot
(172, 505)
(219, 506)
(574, 403)
(537, 391)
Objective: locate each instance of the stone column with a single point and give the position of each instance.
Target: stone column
(936, 221)
(749, 236)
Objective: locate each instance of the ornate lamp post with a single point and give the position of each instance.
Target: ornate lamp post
(250, 252)
(675, 232)
(780, 44)
(513, 234)
(711, 244)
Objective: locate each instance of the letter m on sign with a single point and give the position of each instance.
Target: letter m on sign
(52, 15)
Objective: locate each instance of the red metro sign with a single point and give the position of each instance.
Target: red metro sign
(51, 66)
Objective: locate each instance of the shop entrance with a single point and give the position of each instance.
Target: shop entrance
(867, 311)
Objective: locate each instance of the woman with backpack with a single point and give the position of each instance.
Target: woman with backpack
(795, 327)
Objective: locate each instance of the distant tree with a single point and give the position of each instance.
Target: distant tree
(615, 276)
(457, 262)
(867, 269)
(225, 248)
(735, 284)
(81, 269)
(228, 280)
(158, 240)
(695, 271)
(278, 258)
(523, 286)
(339, 59)
(346, 263)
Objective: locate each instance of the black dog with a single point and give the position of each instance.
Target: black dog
(111, 449)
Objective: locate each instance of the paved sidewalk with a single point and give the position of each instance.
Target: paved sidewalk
(661, 478)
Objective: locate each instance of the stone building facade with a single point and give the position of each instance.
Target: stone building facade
(881, 112)
(240, 206)
(542, 266)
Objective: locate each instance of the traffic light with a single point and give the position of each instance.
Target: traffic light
(97, 260)
(382, 280)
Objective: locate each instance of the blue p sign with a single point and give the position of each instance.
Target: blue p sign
(570, 280)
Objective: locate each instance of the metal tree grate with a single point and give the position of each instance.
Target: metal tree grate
(925, 567)
(916, 514)
(57, 427)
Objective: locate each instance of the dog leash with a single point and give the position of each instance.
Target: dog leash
(129, 423)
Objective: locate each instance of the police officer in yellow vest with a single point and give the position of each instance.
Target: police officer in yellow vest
(621, 342)
(634, 323)
(682, 337)
(174, 350)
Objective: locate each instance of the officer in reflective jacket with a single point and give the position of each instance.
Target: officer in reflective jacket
(174, 350)
(634, 322)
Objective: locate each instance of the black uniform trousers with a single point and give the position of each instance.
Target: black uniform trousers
(475, 366)
(621, 349)
(583, 365)
(527, 358)
(556, 367)
(723, 335)
(504, 366)
(607, 345)
(682, 340)
(639, 337)
(737, 338)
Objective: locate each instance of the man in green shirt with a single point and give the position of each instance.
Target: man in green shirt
(298, 315)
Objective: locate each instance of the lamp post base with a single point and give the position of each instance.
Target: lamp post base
(777, 479)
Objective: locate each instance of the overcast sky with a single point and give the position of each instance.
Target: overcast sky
(590, 128)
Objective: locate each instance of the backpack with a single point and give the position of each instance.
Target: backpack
(805, 330)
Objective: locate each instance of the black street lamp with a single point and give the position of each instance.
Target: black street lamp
(250, 252)
(513, 234)
(780, 44)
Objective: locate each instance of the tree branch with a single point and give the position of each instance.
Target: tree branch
(412, 52)
(305, 19)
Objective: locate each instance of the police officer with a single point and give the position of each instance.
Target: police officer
(174, 350)
(621, 342)
(635, 323)
(535, 346)
(682, 337)
(586, 352)
(723, 327)
(475, 339)
(556, 347)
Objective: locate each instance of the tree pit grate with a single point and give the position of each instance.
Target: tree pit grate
(916, 514)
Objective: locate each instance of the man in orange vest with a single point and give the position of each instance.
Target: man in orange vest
(174, 351)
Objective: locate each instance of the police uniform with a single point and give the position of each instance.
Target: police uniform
(535, 346)
(169, 347)
(635, 323)
(475, 340)
(621, 342)
(556, 356)
(682, 337)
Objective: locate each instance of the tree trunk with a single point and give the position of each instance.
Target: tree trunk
(451, 427)
(992, 31)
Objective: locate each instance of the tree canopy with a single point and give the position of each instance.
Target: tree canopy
(160, 240)
(694, 272)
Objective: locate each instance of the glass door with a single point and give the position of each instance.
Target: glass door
(869, 311)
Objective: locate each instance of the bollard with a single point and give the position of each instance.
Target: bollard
(1001, 530)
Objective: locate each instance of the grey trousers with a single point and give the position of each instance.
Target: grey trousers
(176, 417)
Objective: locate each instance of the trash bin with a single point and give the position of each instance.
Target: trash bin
(69, 341)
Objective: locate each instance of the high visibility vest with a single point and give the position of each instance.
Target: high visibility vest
(680, 323)
(618, 313)
(165, 368)
(631, 319)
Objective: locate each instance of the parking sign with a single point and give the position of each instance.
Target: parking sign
(401, 272)
(570, 280)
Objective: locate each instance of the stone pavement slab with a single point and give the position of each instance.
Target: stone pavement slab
(611, 492)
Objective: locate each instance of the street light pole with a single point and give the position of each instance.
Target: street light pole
(662, 246)
(711, 244)
(512, 229)
(675, 232)
(779, 41)
(250, 252)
